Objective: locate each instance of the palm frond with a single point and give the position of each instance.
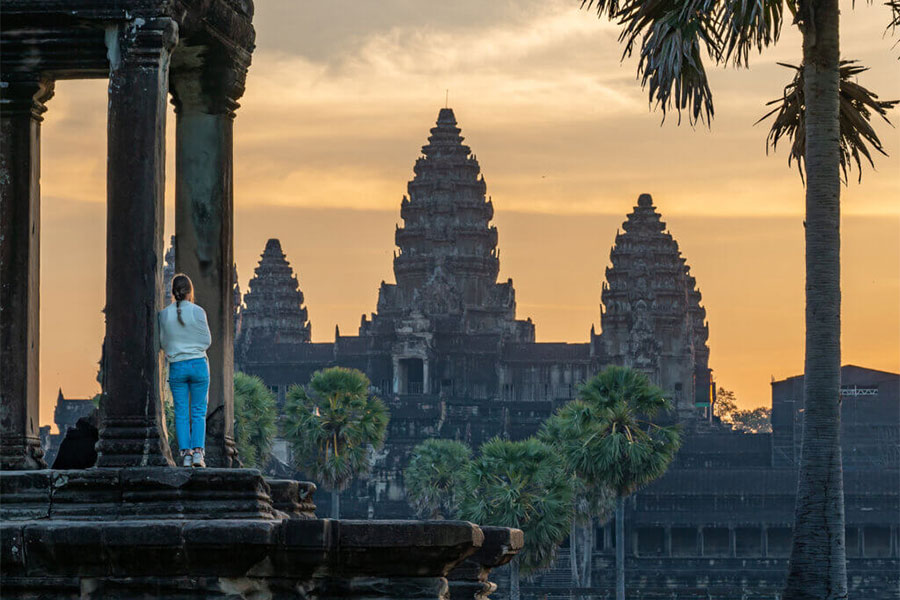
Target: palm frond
(745, 25)
(333, 424)
(607, 8)
(525, 485)
(672, 35)
(254, 419)
(857, 105)
(894, 5)
(434, 477)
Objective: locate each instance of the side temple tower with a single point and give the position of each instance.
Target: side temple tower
(653, 320)
(273, 310)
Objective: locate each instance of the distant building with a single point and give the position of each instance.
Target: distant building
(450, 358)
(65, 415)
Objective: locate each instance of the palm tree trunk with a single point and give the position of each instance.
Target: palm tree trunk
(514, 579)
(573, 553)
(587, 554)
(620, 548)
(335, 504)
(818, 567)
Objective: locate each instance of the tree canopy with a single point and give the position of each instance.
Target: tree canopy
(435, 477)
(333, 424)
(524, 485)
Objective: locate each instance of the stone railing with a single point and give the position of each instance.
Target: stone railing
(205, 533)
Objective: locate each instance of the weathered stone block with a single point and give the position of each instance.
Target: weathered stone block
(25, 494)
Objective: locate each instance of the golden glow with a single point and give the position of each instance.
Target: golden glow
(340, 98)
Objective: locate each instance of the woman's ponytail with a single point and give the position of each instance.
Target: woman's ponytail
(181, 289)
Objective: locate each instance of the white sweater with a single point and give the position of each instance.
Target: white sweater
(184, 342)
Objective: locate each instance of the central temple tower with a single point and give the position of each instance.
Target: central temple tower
(447, 264)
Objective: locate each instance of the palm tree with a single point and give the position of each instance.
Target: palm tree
(254, 419)
(434, 477)
(523, 485)
(333, 424)
(571, 435)
(828, 133)
(621, 446)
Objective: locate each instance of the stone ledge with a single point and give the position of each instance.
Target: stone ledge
(138, 493)
(229, 548)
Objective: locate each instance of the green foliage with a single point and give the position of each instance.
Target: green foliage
(573, 432)
(625, 448)
(757, 420)
(525, 485)
(673, 36)
(333, 424)
(725, 404)
(435, 476)
(254, 419)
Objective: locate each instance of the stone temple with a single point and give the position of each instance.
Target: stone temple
(446, 332)
(450, 358)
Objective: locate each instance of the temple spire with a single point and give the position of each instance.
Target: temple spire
(650, 296)
(273, 308)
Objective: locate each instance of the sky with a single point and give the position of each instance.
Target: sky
(339, 101)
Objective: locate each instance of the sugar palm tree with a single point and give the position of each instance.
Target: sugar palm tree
(620, 444)
(830, 127)
(523, 485)
(571, 435)
(333, 424)
(434, 477)
(254, 419)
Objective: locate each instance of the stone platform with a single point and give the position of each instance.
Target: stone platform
(222, 533)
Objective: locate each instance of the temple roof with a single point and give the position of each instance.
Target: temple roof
(274, 305)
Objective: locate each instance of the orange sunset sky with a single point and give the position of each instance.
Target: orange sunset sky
(340, 98)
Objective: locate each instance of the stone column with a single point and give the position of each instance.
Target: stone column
(204, 117)
(21, 107)
(132, 431)
(469, 579)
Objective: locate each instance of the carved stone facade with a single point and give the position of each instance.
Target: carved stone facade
(273, 311)
(448, 356)
(653, 319)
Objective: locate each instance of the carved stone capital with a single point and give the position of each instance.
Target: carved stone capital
(142, 44)
(25, 96)
(207, 78)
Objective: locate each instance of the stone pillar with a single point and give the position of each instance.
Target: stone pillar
(132, 431)
(469, 579)
(204, 117)
(21, 107)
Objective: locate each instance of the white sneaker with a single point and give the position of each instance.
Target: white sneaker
(187, 459)
(198, 459)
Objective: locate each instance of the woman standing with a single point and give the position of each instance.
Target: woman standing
(184, 337)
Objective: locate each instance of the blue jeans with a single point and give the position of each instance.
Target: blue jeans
(189, 382)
